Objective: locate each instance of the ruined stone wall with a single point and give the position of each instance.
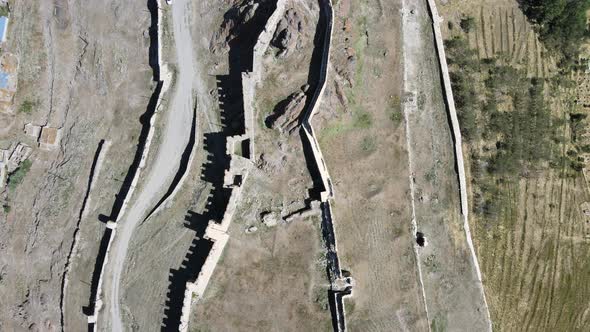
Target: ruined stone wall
(336, 293)
(265, 37)
(249, 82)
(238, 166)
(94, 172)
(327, 191)
(218, 232)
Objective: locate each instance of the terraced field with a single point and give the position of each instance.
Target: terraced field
(533, 255)
(501, 29)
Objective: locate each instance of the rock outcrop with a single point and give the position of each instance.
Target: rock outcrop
(288, 112)
(237, 16)
(287, 34)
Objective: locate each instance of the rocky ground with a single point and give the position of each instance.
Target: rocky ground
(86, 68)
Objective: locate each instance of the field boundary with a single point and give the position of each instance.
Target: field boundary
(436, 21)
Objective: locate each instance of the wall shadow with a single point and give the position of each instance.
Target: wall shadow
(152, 6)
(144, 120)
(312, 166)
(277, 112)
(230, 92)
(80, 213)
(187, 272)
(102, 251)
(183, 165)
(315, 67)
(231, 104)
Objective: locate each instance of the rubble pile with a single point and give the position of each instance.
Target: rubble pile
(11, 158)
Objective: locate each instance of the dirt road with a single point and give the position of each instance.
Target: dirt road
(175, 134)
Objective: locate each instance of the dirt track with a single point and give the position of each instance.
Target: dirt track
(174, 137)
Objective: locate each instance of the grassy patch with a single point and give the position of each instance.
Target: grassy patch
(16, 177)
(368, 144)
(27, 107)
(4, 11)
(200, 328)
(395, 110)
(320, 297)
(6, 208)
(360, 46)
(438, 324)
(349, 305)
(431, 263)
(431, 175)
(362, 119)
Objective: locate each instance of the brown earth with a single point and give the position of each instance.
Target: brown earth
(363, 139)
(86, 68)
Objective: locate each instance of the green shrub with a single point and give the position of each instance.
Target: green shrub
(362, 119)
(368, 144)
(467, 24)
(562, 24)
(16, 177)
(27, 107)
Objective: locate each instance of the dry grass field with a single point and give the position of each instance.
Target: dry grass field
(534, 253)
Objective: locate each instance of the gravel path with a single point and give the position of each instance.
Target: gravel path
(173, 140)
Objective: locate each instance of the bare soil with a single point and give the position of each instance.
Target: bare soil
(363, 140)
(86, 68)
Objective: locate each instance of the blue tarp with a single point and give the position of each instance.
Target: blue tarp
(3, 80)
(3, 25)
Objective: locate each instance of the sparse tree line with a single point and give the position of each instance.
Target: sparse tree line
(506, 118)
(562, 24)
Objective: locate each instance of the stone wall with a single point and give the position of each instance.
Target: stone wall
(94, 171)
(165, 77)
(437, 20)
(340, 286)
(265, 37)
(327, 191)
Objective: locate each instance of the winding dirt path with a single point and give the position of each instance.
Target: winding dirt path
(174, 138)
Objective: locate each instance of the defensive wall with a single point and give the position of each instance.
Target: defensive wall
(163, 77)
(436, 21)
(341, 285)
(94, 171)
(241, 150)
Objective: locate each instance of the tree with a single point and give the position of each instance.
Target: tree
(467, 24)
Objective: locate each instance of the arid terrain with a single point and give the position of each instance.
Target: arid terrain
(292, 165)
